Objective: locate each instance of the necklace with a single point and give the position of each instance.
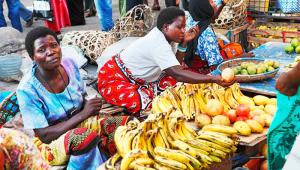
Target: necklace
(70, 112)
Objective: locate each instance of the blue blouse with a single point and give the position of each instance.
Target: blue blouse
(41, 108)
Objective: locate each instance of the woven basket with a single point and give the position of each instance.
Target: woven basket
(10, 67)
(9, 107)
(233, 15)
(247, 78)
(135, 23)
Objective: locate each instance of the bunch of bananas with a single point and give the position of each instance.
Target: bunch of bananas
(164, 141)
(192, 99)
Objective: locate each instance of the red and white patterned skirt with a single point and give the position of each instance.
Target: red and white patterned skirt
(119, 87)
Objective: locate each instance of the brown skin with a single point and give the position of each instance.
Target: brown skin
(175, 32)
(47, 55)
(288, 83)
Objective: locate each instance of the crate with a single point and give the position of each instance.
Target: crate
(238, 34)
(260, 33)
(274, 9)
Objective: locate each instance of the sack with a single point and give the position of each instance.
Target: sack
(284, 129)
(42, 10)
(231, 50)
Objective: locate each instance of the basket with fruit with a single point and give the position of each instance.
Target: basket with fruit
(251, 69)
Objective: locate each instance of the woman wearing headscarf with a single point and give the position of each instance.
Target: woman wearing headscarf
(203, 13)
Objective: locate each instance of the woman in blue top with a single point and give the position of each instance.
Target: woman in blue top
(52, 103)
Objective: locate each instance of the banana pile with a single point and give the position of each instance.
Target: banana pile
(164, 141)
(192, 99)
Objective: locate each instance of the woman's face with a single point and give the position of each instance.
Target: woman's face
(47, 52)
(175, 31)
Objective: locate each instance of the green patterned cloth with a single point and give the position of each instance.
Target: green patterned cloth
(283, 130)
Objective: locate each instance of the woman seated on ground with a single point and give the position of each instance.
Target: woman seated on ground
(205, 46)
(148, 66)
(52, 102)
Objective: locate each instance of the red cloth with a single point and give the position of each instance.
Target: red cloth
(118, 87)
(61, 15)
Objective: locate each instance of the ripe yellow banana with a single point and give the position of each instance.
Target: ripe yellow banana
(230, 100)
(176, 155)
(127, 140)
(218, 153)
(189, 133)
(192, 112)
(161, 167)
(110, 164)
(201, 103)
(215, 140)
(150, 135)
(219, 128)
(158, 140)
(119, 134)
(141, 161)
(170, 163)
(155, 107)
(131, 156)
(213, 145)
(215, 158)
(217, 135)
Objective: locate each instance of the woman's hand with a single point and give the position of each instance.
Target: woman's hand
(92, 106)
(220, 81)
(191, 34)
(285, 85)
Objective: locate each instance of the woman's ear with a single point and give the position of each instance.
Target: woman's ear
(164, 28)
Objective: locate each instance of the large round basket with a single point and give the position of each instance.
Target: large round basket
(247, 78)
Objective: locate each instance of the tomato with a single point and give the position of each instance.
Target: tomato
(1, 159)
(243, 110)
(231, 114)
(241, 118)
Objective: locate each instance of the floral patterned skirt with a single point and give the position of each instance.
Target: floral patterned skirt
(119, 87)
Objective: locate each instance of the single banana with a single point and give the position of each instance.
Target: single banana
(161, 167)
(127, 140)
(150, 135)
(188, 132)
(215, 158)
(230, 100)
(214, 145)
(118, 136)
(196, 144)
(218, 153)
(176, 155)
(110, 164)
(158, 140)
(216, 140)
(170, 163)
(131, 156)
(141, 161)
(219, 128)
(218, 135)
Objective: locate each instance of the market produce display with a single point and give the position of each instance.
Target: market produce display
(250, 68)
(294, 46)
(165, 141)
(212, 104)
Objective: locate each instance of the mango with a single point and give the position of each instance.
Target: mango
(221, 120)
(255, 126)
(260, 100)
(270, 109)
(242, 127)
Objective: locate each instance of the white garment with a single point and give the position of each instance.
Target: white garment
(148, 56)
(293, 158)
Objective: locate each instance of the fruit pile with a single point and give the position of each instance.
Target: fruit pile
(213, 104)
(281, 28)
(164, 141)
(294, 46)
(250, 68)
